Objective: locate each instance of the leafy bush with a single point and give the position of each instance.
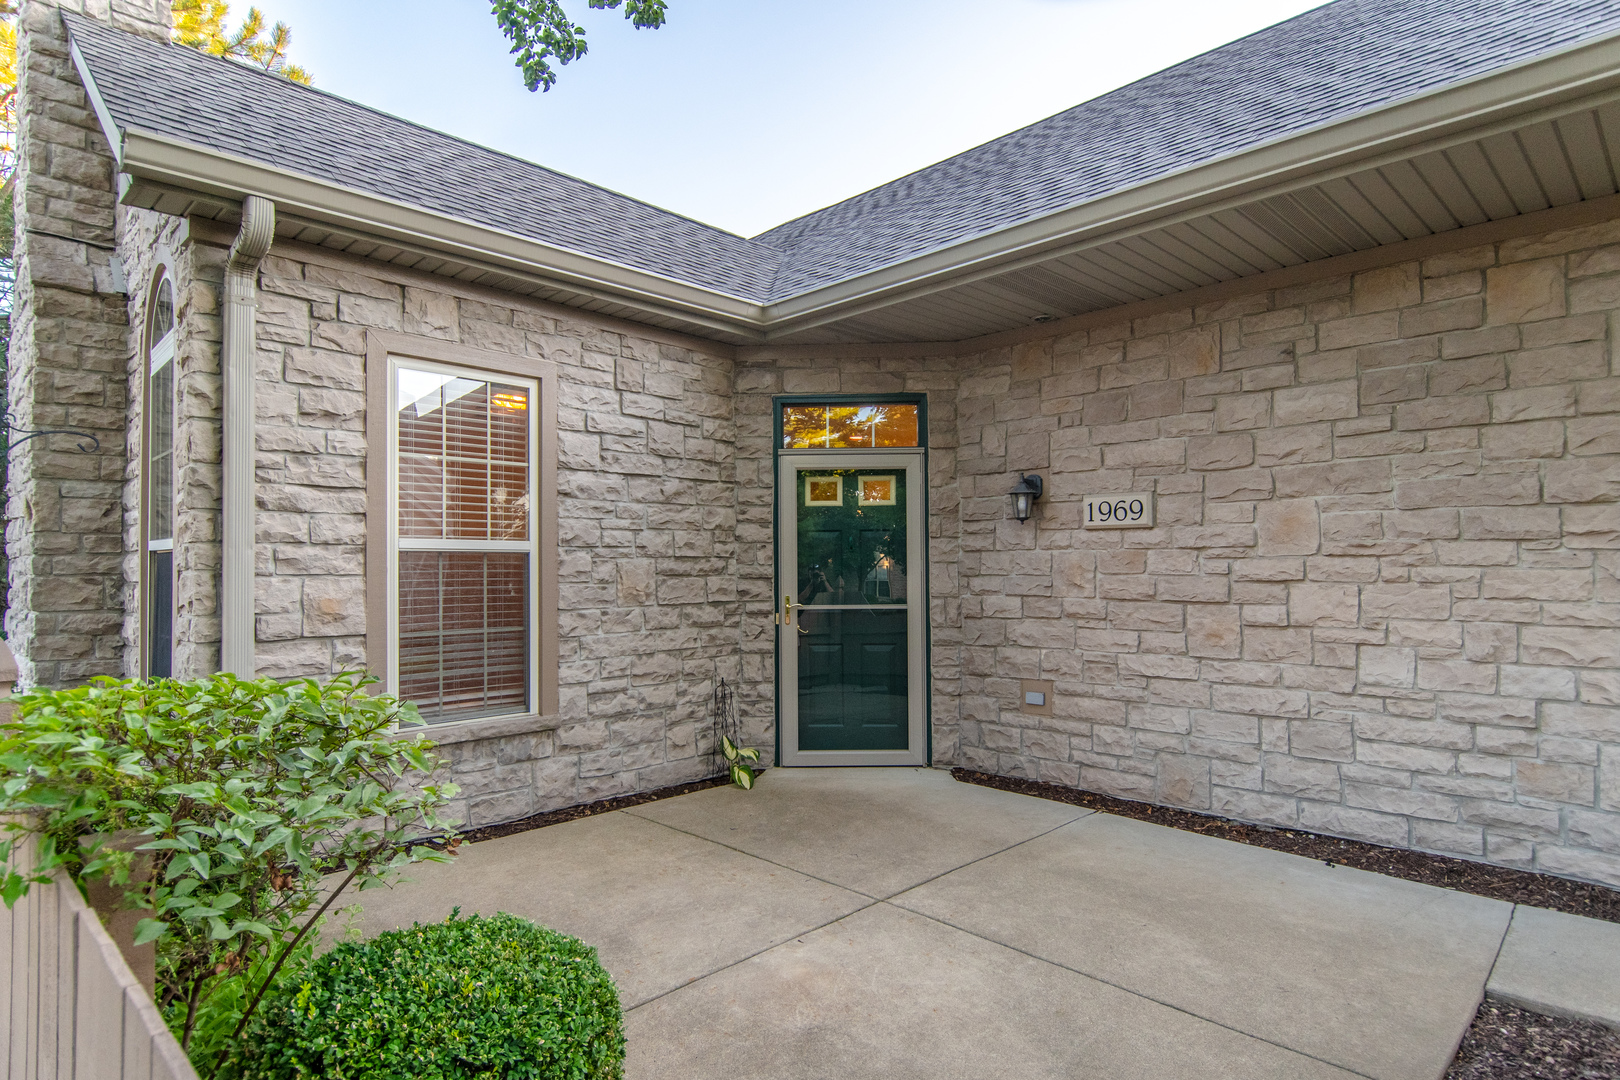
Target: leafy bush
(218, 1016)
(236, 798)
(497, 997)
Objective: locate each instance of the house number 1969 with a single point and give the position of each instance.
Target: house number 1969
(1132, 510)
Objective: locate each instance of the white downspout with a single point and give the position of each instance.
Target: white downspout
(238, 448)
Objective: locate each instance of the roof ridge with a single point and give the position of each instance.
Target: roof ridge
(1044, 119)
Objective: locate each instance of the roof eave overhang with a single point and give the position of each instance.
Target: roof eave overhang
(1580, 76)
(171, 163)
(165, 161)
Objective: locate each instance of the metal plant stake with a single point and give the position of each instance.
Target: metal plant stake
(727, 734)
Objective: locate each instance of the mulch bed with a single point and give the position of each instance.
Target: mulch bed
(1496, 882)
(1508, 1043)
(574, 813)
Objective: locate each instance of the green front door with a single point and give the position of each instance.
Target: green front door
(851, 608)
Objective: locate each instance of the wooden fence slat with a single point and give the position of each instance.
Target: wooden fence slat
(40, 911)
(8, 927)
(137, 1063)
(49, 931)
(67, 967)
(71, 1006)
(98, 1007)
(169, 1061)
(18, 1017)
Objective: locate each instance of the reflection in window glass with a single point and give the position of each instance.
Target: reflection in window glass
(838, 427)
(162, 312)
(463, 458)
(160, 450)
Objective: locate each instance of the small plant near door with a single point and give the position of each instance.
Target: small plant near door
(728, 731)
(737, 760)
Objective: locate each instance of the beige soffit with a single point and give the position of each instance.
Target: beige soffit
(1580, 76)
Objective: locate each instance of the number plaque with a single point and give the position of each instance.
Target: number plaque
(1132, 510)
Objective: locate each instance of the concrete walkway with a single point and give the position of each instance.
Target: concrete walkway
(893, 923)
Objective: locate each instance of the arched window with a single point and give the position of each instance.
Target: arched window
(158, 471)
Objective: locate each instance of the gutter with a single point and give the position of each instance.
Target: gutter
(1581, 75)
(238, 447)
(170, 162)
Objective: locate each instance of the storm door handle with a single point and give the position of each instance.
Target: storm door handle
(787, 613)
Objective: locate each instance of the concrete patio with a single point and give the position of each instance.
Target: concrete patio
(895, 923)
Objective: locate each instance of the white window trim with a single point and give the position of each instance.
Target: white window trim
(531, 547)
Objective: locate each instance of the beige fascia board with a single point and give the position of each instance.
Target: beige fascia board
(1582, 75)
(148, 156)
(109, 127)
(178, 165)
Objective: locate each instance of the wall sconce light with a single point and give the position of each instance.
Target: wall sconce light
(1024, 494)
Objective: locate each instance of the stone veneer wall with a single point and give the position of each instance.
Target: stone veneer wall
(1383, 597)
(649, 609)
(647, 520)
(69, 346)
(756, 383)
(1382, 600)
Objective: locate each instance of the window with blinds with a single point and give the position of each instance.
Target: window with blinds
(464, 533)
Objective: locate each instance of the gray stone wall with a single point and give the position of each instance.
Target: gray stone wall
(69, 346)
(647, 520)
(1383, 597)
(757, 381)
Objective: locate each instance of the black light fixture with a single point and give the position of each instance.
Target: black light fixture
(1024, 495)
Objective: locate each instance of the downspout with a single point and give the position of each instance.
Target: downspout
(238, 447)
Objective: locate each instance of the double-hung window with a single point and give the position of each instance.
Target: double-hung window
(158, 471)
(464, 541)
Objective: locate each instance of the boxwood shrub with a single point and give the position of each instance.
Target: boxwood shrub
(474, 997)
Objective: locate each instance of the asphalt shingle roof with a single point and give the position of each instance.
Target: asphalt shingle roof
(223, 105)
(1330, 63)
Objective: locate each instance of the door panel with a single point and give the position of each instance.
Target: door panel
(852, 680)
(849, 536)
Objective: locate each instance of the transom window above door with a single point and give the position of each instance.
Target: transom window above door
(851, 426)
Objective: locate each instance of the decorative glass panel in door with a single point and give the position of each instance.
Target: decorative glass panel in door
(852, 606)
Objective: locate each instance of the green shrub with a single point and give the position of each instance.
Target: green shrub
(236, 797)
(465, 998)
(214, 1022)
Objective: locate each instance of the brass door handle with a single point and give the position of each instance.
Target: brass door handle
(787, 613)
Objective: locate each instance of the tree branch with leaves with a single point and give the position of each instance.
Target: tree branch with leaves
(201, 25)
(541, 31)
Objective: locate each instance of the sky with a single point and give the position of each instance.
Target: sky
(748, 113)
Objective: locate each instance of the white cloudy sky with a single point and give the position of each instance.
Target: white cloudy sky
(747, 113)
